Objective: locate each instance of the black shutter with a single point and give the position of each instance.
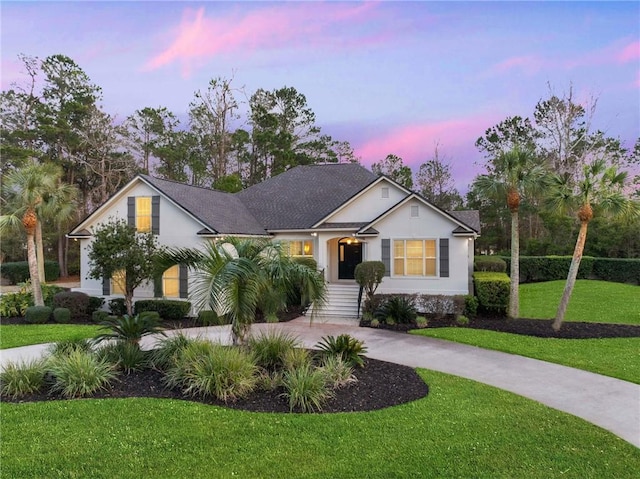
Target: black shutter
(157, 286)
(184, 281)
(106, 286)
(131, 211)
(386, 256)
(444, 257)
(155, 215)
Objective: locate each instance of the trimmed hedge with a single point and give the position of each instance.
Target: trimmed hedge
(617, 270)
(37, 314)
(168, 309)
(18, 272)
(62, 315)
(99, 316)
(75, 301)
(117, 307)
(535, 269)
(211, 318)
(489, 263)
(492, 290)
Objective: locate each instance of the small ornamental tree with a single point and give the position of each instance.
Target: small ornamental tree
(369, 275)
(117, 247)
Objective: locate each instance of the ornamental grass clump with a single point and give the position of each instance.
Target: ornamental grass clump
(306, 389)
(269, 348)
(69, 345)
(79, 374)
(207, 369)
(19, 379)
(164, 354)
(337, 372)
(295, 358)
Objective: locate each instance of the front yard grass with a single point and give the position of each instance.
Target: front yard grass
(591, 301)
(462, 429)
(14, 335)
(615, 357)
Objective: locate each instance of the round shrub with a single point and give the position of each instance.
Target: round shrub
(37, 314)
(62, 315)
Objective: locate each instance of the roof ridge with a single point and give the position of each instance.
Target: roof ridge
(184, 184)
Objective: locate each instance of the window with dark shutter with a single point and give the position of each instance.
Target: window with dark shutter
(386, 256)
(444, 257)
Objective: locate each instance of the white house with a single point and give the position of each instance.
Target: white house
(339, 214)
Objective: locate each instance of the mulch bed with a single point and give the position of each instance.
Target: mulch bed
(380, 384)
(540, 328)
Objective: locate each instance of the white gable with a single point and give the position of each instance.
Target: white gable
(369, 204)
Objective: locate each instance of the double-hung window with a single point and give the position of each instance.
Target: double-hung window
(171, 282)
(143, 214)
(414, 257)
(299, 248)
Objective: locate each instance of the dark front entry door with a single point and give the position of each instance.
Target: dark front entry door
(349, 256)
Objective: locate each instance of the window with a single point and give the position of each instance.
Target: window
(414, 257)
(143, 214)
(415, 211)
(299, 248)
(385, 192)
(118, 282)
(171, 282)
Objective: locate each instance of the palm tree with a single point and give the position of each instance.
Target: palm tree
(28, 189)
(237, 275)
(515, 175)
(601, 189)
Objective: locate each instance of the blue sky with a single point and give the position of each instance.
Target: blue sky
(389, 77)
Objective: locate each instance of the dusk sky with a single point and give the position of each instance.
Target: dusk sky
(389, 77)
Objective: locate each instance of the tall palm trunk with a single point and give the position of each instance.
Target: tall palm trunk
(40, 252)
(514, 296)
(573, 274)
(30, 221)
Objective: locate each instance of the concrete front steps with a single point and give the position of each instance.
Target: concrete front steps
(341, 304)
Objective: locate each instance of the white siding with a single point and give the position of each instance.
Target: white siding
(369, 205)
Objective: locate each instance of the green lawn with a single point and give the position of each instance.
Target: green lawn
(12, 336)
(592, 301)
(462, 429)
(616, 357)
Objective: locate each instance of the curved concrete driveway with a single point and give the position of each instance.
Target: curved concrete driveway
(607, 402)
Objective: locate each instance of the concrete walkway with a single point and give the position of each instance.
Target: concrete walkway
(606, 402)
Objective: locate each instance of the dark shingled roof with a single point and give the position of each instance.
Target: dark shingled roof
(302, 196)
(471, 218)
(222, 212)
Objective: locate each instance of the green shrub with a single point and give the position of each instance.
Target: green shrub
(79, 373)
(117, 307)
(462, 320)
(400, 308)
(37, 314)
(307, 261)
(368, 275)
(269, 348)
(62, 315)
(151, 316)
(492, 290)
(211, 318)
(489, 263)
(165, 352)
(375, 323)
(346, 346)
(95, 303)
(169, 309)
(617, 270)
(19, 379)
(15, 304)
(129, 328)
(306, 389)
(206, 369)
(18, 272)
(125, 356)
(99, 316)
(70, 345)
(75, 301)
(439, 305)
(337, 372)
(421, 322)
(470, 306)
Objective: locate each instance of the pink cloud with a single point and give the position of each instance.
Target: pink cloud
(530, 64)
(629, 53)
(199, 37)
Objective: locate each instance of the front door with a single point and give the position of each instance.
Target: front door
(349, 256)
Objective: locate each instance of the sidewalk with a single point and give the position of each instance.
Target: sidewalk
(610, 403)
